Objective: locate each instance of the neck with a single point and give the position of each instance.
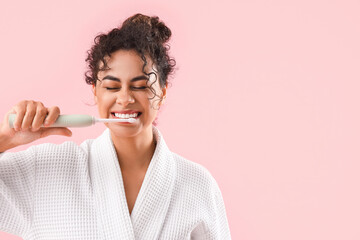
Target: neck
(135, 153)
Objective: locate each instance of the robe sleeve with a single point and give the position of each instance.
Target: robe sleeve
(217, 226)
(17, 188)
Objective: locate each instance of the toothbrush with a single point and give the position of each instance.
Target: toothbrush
(76, 120)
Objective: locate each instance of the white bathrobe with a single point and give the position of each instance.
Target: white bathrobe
(68, 191)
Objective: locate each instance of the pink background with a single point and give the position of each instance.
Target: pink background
(266, 97)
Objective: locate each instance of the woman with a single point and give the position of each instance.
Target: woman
(126, 184)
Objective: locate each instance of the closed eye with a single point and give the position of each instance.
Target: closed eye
(136, 88)
(139, 87)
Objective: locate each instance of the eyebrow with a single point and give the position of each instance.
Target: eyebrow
(138, 78)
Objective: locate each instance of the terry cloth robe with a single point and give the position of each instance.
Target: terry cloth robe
(68, 191)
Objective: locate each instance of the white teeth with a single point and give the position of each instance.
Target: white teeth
(119, 115)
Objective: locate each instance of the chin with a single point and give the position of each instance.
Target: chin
(124, 130)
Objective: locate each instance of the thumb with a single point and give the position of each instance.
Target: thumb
(55, 131)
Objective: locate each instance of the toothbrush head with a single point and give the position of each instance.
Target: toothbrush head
(131, 120)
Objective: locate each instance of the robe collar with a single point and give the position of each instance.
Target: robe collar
(152, 202)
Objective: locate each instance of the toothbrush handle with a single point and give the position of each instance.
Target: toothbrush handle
(71, 120)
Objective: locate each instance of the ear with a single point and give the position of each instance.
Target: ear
(164, 91)
(94, 92)
(163, 95)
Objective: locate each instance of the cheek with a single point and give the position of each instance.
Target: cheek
(148, 105)
(104, 102)
(142, 98)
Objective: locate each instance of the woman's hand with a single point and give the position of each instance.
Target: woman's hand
(30, 115)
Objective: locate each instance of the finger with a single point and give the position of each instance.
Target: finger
(29, 115)
(53, 114)
(55, 131)
(20, 110)
(39, 118)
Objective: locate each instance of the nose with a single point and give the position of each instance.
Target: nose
(124, 97)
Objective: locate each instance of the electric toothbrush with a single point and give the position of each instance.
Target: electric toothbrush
(77, 120)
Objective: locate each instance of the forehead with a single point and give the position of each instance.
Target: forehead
(126, 62)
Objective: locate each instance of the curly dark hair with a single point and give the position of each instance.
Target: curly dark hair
(146, 35)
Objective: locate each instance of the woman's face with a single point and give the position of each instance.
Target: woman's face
(124, 89)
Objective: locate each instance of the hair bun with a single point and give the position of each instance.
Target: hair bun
(160, 30)
(157, 30)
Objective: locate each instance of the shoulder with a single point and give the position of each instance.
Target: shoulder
(197, 189)
(46, 158)
(54, 155)
(66, 149)
(52, 150)
(65, 159)
(193, 176)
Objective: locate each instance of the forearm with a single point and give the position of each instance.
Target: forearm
(5, 143)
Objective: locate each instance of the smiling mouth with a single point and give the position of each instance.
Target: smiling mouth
(126, 116)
